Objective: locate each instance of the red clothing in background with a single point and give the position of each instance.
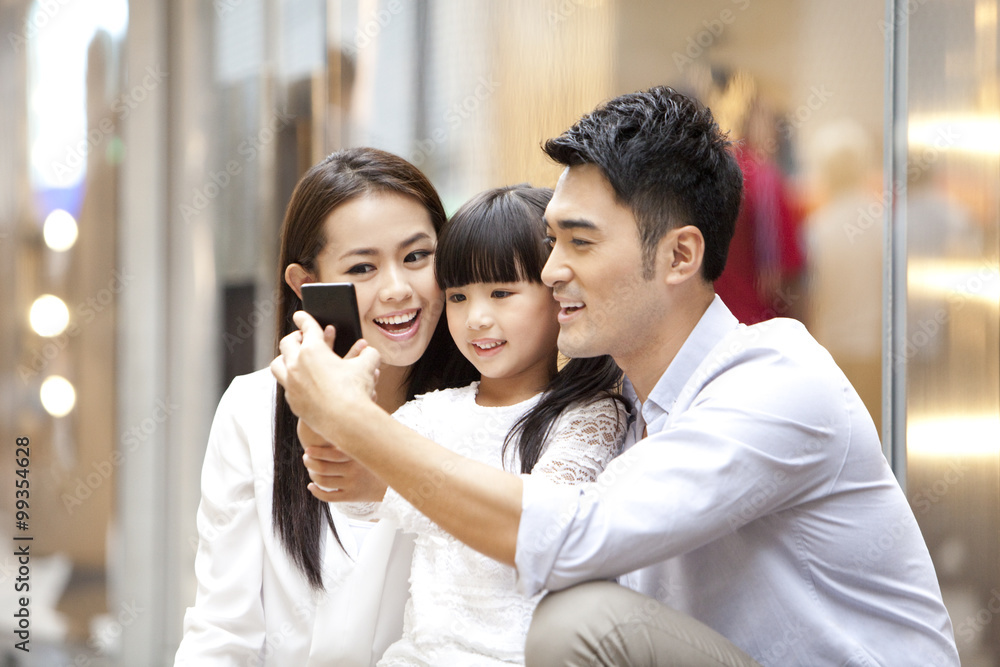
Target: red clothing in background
(765, 254)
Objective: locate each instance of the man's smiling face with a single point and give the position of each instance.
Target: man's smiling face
(596, 271)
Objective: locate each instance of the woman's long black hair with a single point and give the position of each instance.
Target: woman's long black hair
(498, 237)
(296, 515)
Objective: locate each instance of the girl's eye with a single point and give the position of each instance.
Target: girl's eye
(456, 298)
(500, 294)
(418, 255)
(359, 269)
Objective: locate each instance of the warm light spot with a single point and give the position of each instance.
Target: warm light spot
(60, 230)
(954, 435)
(49, 316)
(58, 396)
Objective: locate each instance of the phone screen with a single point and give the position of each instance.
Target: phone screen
(336, 304)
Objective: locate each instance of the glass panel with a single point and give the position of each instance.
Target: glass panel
(952, 339)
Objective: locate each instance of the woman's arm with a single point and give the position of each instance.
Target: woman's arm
(226, 624)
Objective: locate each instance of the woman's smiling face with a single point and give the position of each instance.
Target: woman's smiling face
(384, 244)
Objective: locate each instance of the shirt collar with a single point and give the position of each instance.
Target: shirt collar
(715, 324)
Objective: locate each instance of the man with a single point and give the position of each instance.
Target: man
(752, 513)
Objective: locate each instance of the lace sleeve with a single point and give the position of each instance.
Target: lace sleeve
(585, 439)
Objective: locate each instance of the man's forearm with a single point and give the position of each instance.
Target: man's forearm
(478, 504)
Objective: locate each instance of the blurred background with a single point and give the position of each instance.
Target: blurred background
(150, 148)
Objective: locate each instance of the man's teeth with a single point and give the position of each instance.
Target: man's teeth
(489, 346)
(396, 319)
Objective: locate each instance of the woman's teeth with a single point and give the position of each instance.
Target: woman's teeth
(397, 323)
(395, 319)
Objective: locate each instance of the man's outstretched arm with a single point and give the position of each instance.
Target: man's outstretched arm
(476, 503)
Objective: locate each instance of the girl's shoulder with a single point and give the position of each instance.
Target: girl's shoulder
(449, 396)
(439, 400)
(604, 406)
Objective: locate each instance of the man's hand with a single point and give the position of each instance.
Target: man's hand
(336, 476)
(320, 387)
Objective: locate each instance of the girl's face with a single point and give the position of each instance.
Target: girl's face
(508, 331)
(384, 244)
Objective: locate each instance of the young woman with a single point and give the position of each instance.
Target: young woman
(283, 579)
(522, 415)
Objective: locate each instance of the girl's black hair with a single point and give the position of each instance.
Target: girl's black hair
(297, 516)
(498, 237)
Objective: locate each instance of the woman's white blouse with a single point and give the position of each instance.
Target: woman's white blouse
(253, 605)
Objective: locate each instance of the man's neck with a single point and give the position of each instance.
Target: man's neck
(646, 366)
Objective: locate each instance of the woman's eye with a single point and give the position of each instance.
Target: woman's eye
(580, 242)
(549, 241)
(359, 269)
(418, 255)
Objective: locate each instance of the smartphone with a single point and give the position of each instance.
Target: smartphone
(336, 304)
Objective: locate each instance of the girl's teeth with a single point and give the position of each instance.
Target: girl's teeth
(488, 346)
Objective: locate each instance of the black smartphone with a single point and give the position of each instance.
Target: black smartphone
(336, 304)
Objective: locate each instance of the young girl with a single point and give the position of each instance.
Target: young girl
(283, 578)
(522, 415)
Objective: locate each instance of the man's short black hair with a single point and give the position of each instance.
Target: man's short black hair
(668, 162)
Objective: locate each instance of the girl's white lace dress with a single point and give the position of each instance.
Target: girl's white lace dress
(464, 608)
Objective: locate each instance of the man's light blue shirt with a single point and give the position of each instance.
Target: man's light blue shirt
(759, 503)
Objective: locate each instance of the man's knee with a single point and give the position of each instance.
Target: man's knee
(567, 625)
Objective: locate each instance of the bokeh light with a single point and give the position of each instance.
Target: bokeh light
(49, 316)
(58, 396)
(60, 230)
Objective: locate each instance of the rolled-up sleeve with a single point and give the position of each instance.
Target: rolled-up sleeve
(548, 511)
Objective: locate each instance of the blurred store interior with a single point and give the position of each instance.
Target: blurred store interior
(150, 149)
